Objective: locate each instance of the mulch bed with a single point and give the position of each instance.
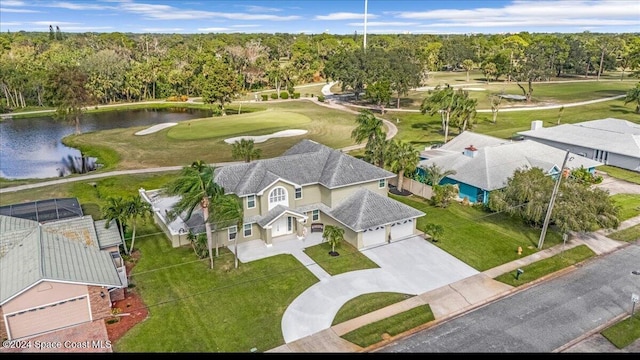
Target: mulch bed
(132, 304)
(394, 191)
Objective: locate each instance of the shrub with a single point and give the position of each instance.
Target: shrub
(274, 95)
(184, 98)
(265, 97)
(320, 98)
(284, 95)
(296, 95)
(112, 320)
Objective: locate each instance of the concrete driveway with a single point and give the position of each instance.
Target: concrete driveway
(617, 186)
(411, 266)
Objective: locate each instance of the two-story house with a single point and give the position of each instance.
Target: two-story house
(309, 186)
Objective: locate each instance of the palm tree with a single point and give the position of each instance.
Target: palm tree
(244, 150)
(369, 128)
(435, 174)
(137, 210)
(333, 234)
(442, 100)
(115, 210)
(633, 95)
(404, 158)
(228, 211)
(195, 186)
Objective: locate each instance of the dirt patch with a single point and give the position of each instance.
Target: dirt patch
(132, 310)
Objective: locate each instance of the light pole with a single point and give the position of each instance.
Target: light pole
(551, 202)
(634, 297)
(364, 44)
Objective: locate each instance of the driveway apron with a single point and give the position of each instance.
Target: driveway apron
(410, 266)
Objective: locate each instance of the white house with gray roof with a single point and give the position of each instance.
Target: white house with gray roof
(484, 163)
(307, 187)
(57, 274)
(610, 141)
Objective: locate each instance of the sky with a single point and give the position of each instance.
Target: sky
(340, 17)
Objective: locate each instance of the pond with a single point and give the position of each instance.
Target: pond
(32, 148)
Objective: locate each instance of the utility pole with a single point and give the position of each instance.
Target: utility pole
(365, 26)
(552, 201)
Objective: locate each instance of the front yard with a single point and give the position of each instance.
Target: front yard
(195, 309)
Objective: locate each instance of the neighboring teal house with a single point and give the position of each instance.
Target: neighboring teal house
(484, 163)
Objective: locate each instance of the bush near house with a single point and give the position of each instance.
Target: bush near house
(284, 95)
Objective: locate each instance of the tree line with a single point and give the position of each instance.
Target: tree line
(116, 67)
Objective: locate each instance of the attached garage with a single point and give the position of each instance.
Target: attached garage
(402, 229)
(47, 318)
(373, 236)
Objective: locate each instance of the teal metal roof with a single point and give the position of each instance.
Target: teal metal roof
(66, 252)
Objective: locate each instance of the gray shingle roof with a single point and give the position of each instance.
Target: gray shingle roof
(48, 252)
(305, 163)
(276, 212)
(492, 165)
(610, 134)
(366, 208)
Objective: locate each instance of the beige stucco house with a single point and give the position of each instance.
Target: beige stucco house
(309, 186)
(57, 274)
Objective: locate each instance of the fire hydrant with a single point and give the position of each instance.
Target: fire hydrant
(519, 250)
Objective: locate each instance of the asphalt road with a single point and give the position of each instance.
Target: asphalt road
(542, 318)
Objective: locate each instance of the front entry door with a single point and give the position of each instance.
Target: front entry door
(282, 226)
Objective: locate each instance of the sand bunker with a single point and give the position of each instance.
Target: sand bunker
(263, 138)
(155, 128)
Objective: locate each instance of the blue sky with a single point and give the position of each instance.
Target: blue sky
(318, 16)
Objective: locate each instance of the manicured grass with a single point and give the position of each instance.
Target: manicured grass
(629, 205)
(258, 123)
(547, 266)
(196, 309)
(422, 129)
(622, 174)
(481, 239)
(350, 259)
(628, 234)
(91, 197)
(625, 332)
(367, 303)
(180, 146)
(372, 333)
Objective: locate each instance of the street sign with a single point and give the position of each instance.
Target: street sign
(635, 298)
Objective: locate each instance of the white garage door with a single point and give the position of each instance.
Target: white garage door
(373, 236)
(401, 229)
(47, 318)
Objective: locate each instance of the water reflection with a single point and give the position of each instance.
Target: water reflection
(32, 147)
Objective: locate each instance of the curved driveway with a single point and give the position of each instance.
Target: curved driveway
(410, 266)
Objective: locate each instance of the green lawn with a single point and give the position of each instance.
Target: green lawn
(350, 259)
(373, 333)
(622, 174)
(629, 234)
(422, 129)
(629, 205)
(547, 266)
(625, 332)
(367, 303)
(196, 309)
(481, 239)
(204, 139)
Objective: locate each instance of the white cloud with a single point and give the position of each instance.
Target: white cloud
(255, 8)
(344, 16)
(87, 28)
(79, 6)
(384, 23)
(245, 25)
(166, 12)
(12, 23)
(13, 3)
(214, 29)
(52, 22)
(10, 10)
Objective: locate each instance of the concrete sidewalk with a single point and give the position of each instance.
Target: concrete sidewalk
(451, 300)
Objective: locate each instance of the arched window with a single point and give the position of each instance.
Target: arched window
(278, 196)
